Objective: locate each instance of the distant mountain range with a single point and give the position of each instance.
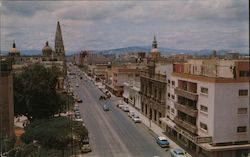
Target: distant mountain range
(142, 49)
(164, 51)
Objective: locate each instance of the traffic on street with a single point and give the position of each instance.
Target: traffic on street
(112, 132)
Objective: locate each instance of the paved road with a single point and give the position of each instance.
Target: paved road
(113, 133)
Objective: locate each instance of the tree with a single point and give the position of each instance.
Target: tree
(35, 93)
(55, 133)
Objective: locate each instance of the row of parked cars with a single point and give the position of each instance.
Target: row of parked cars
(131, 114)
(77, 113)
(163, 143)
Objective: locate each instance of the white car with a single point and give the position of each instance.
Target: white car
(120, 106)
(79, 120)
(131, 114)
(136, 119)
(177, 152)
(77, 85)
(125, 109)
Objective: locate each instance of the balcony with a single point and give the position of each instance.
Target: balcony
(185, 109)
(190, 127)
(186, 94)
(155, 77)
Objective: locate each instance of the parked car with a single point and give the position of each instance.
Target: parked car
(136, 119)
(131, 114)
(79, 100)
(125, 109)
(119, 105)
(162, 141)
(85, 148)
(177, 152)
(105, 108)
(79, 119)
(77, 85)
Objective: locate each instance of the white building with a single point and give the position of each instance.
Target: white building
(209, 113)
(131, 94)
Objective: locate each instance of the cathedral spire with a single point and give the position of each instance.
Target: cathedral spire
(59, 47)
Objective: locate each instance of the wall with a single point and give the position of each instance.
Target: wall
(227, 101)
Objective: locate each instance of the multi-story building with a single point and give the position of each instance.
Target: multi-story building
(6, 100)
(120, 75)
(208, 107)
(153, 97)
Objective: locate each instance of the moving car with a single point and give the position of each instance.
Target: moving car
(177, 152)
(105, 108)
(162, 141)
(136, 119)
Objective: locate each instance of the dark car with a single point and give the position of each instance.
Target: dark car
(105, 108)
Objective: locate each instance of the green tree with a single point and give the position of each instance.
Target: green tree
(35, 94)
(55, 133)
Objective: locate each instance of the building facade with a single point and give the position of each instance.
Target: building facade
(120, 75)
(153, 94)
(131, 94)
(208, 107)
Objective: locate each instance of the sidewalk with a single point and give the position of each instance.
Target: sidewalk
(158, 131)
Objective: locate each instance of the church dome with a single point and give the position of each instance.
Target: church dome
(47, 51)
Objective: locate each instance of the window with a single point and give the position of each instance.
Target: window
(243, 92)
(130, 75)
(203, 108)
(203, 126)
(244, 74)
(168, 107)
(241, 129)
(159, 118)
(168, 81)
(173, 97)
(173, 83)
(172, 110)
(137, 75)
(169, 95)
(242, 110)
(204, 90)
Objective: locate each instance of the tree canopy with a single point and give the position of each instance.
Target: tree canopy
(35, 94)
(55, 133)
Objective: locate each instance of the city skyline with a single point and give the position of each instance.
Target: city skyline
(190, 25)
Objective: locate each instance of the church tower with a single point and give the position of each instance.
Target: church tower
(59, 54)
(59, 47)
(155, 53)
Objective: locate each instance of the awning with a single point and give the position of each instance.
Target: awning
(168, 122)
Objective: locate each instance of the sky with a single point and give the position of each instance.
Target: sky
(102, 25)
